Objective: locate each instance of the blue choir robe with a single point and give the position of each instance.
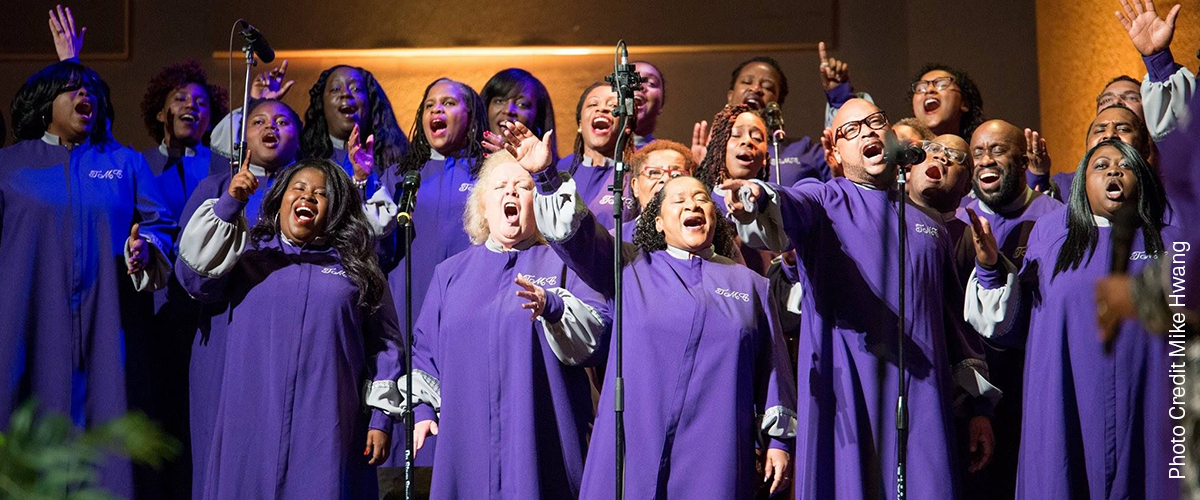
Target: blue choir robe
(1095, 423)
(71, 316)
(515, 401)
(301, 359)
(706, 367)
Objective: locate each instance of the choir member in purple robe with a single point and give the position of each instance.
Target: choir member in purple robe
(85, 230)
(844, 234)
(309, 327)
(938, 184)
(650, 101)
(348, 103)
(1114, 122)
(652, 166)
(1094, 423)
(447, 150)
(706, 374)
(273, 143)
(515, 95)
(946, 100)
(502, 338)
(591, 164)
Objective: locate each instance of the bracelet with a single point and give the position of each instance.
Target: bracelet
(359, 184)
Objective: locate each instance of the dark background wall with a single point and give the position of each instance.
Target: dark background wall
(884, 42)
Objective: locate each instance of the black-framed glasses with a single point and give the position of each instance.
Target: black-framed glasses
(656, 173)
(850, 130)
(941, 84)
(955, 155)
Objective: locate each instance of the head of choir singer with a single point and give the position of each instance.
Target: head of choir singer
(181, 107)
(500, 207)
(65, 99)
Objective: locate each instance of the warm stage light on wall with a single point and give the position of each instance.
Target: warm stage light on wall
(530, 51)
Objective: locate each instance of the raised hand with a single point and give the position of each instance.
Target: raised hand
(67, 42)
(983, 441)
(827, 144)
(270, 84)
(777, 467)
(1035, 150)
(833, 72)
(700, 141)
(422, 430)
(139, 251)
(986, 250)
(362, 156)
(532, 153)
(1149, 33)
(491, 143)
(536, 296)
(244, 183)
(377, 446)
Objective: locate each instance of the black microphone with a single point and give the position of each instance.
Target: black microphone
(624, 80)
(257, 42)
(901, 155)
(774, 116)
(408, 196)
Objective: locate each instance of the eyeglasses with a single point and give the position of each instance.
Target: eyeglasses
(850, 130)
(656, 173)
(955, 155)
(923, 86)
(1108, 98)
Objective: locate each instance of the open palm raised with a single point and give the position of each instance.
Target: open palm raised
(1149, 33)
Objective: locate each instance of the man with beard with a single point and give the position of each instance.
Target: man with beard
(844, 233)
(998, 150)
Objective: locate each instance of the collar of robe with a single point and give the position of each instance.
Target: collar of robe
(1014, 206)
(55, 140)
(260, 171)
(435, 155)
(187, 151)
(707, 254)
(1101, 221)
(587, 161)
(337, 143)
(319, 241)
(520, 246)
(949, 216)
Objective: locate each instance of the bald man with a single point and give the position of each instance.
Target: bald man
(844, 232)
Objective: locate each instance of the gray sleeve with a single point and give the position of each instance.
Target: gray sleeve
(211, 245)
(992, 311)
(157, 271)
(220, 133)
(764, 228)
(559, 214)
(1166, 103)
(577, 334)
(381, 213)
(390, 396)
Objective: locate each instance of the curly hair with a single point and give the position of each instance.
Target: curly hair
(33, 106)
(712, 170)
(647, 237)
(419, 149)
(347, 230)
(783, 85)
(973, 117)
(173, 77)
(505, 84)
(1152, 205)
(390, 142)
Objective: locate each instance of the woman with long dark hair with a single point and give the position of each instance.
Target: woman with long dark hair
(309, 325)
(1094, 420)
(84, 230)
(718, 336)
(447, 150)
(348, 109)
(591, 162)
(515, 95)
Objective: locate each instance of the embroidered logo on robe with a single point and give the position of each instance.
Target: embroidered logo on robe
(1141, 255)
(334, 271)
(115, 173)
(1019, 252)
(609, 199)
(464, 187)
(789, 160)
(924, 229)
(725, 292)
(540, 281)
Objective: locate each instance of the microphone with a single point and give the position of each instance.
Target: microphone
(625, 80)
(408, 196)
(901, 155)
(257, 42)
(774, 117)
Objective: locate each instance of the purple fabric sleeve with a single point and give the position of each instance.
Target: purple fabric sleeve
(548, 180)
(991, 278)
(380, 421)
(1038, 182)
(554, 308)
(1160, 65)
(227, 207)
(838, 95)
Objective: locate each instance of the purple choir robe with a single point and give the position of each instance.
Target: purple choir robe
(290, 420)
(1095, 424)
(341, 157)
(205, 328)
(514, 419)
(800, 159)
(593, 184)
(446, 182)
(74, 334)
(703, 356)
(1180, 171)
(845, 239)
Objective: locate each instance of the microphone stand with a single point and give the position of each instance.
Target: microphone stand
(408, 203)
(775, 149)
(624, 80)
(902, 395)
(239, 147)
